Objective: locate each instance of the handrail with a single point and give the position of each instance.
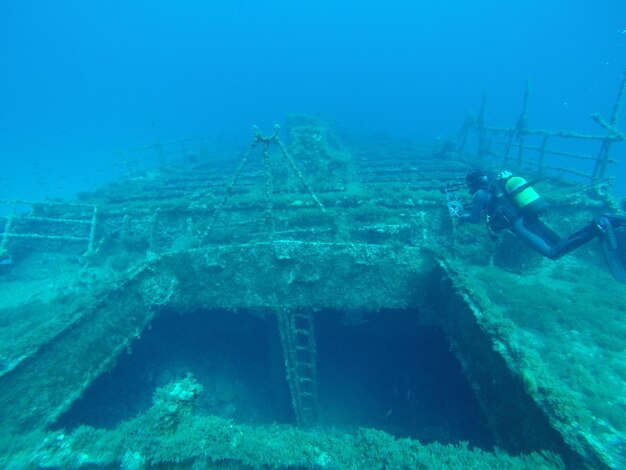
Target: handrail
(515, 137)
(10, 231)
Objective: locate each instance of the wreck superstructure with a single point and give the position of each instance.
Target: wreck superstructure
(290, 233)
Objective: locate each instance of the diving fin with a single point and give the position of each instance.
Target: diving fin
(610, 248)
(604, 226)
(616, 221)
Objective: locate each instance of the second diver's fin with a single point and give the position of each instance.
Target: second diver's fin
(615, 265)
(604, 226)
(617, 221)
(611, 248)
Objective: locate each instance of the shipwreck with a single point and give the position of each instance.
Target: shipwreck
(312, 304)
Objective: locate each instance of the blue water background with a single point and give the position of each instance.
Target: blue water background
(82, 79)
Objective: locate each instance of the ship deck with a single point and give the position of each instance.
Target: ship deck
(540, 344)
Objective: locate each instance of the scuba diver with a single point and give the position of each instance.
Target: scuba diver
(510, 202)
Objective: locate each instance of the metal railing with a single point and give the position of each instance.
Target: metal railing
(173, 152)
(511, 144)
(78, 215)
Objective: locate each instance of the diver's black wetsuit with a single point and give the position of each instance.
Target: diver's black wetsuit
(530, 228)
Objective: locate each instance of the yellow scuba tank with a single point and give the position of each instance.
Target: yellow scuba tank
(523, 195)
(519, 190)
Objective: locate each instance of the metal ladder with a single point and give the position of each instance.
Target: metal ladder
(298, 343)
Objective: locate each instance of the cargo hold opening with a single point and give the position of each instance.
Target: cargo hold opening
(383, 370)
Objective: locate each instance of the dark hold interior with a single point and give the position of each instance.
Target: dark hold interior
(384, 370)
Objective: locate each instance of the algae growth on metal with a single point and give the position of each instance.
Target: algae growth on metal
(314, 308)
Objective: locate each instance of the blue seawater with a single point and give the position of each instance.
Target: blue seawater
(82, 80)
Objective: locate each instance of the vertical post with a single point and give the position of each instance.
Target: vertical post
(542, 152)
(605, 148)
(522, 126)
(7, 231)
(480, 126)
(92, 232)
(507, 147)
(601, 160)
(269, 189)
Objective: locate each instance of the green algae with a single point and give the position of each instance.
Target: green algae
(566, 339)
(170, 433)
